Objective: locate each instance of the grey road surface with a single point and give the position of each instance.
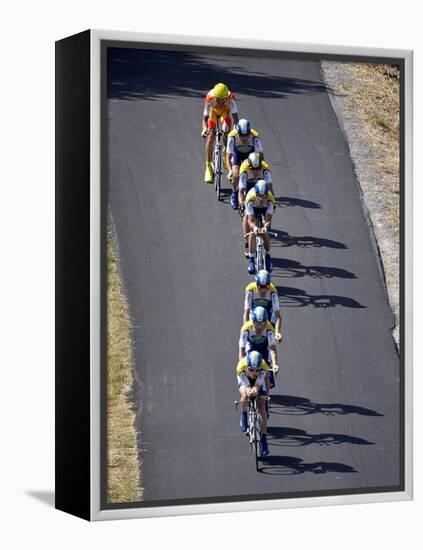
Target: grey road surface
(334, 423)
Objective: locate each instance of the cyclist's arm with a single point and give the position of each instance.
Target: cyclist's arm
(229, 151)
(277, 313)
(234, 111)
(258, 147)
(242, 344)
(205, 123)
(272, 348)
(242, 186)
(269, 214)
(251, 221)
(247, 306)
(267, 221)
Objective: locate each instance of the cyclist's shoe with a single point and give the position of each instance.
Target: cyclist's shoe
(271, 380)
(246, 253)
(208, 174)
(234, 200)
(269, 265)
(264, 449)
(251, 267)
(243, 424)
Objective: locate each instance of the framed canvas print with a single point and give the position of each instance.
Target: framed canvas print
(233, 275)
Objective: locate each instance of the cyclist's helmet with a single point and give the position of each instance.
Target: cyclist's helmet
(259, 315)
(254, 160)
(261, 187)
(254, 360)
(221, 91)
(243, 127)
(263, 278)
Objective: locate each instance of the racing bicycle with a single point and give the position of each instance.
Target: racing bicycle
(217, 159)
(253, 430)
(260, 252)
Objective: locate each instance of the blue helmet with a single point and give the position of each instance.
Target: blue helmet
(243, 127)
(254, 360)
(259, 315)
(261, 187)
(263, 278)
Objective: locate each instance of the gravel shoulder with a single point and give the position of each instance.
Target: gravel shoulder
(365, 99)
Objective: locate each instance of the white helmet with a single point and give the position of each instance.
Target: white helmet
(254, 160)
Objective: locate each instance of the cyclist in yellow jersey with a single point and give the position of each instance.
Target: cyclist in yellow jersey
(253, 381)
(263, 293)
(259, 335)
(242, 141)
(251, 170)
(219, 104)
(259, 204)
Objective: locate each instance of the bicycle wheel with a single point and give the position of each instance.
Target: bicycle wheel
(254, 431)
(219, 172)
(259, 258)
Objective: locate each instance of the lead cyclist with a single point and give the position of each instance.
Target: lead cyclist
(219, 104)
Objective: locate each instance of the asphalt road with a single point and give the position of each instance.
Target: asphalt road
(334, 421)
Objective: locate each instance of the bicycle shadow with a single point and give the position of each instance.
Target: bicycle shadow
(291, 201)
(284, 239)
(292, 437)
(298, 406)
(295, 297)
(293, 269)
(290, 465)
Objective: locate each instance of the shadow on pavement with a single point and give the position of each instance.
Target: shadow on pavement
(295, 297)
(289, 201)
(294, 269)
(289, 465)
(293, 405)
(283, 239)
(291, 437)
(152, 74)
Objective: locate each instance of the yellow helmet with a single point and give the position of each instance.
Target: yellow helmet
(221, 91)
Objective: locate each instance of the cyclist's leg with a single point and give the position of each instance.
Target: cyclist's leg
(268, 258)
(212, 124)
(261, 405)
(243, 422)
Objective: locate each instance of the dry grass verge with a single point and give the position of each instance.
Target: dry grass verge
(123, 475)
(377, 101)
(366, 98)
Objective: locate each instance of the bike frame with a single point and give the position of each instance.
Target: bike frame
(218, 159)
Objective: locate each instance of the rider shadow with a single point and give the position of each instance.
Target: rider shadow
(291, 201)
(297, 406)
(284, 239)
(225, 195)
(291, 437)
(295, 297)
(290, 465)
(294, 269)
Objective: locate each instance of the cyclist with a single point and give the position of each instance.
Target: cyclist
(242, 141)
(252, 376)
(218, 104)
(263, 293)
(258, 334)
(259, 207)
(252, 169)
